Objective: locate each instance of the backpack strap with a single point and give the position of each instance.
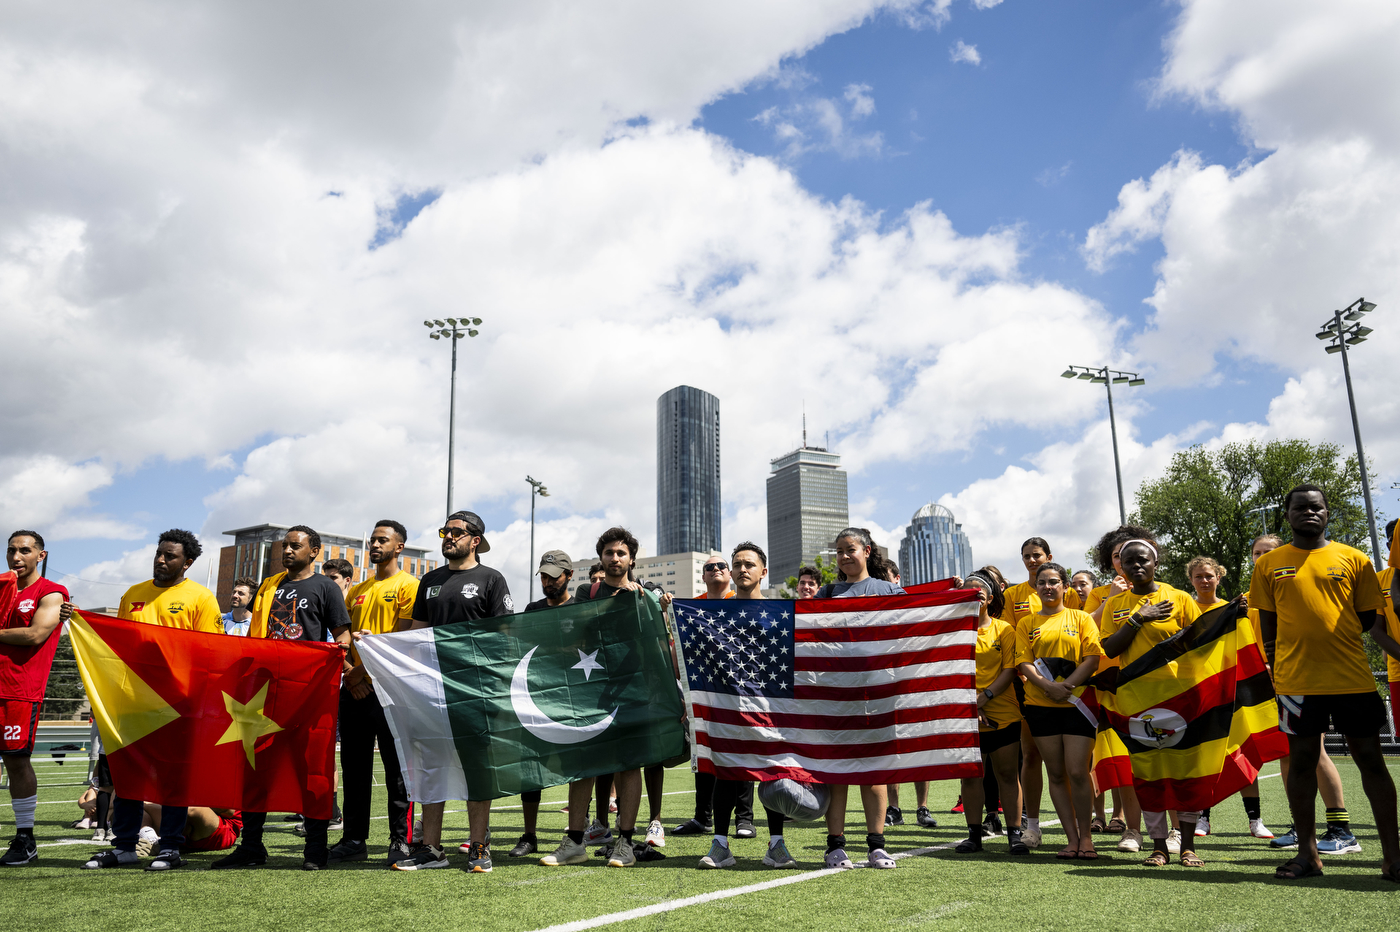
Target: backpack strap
(593, 590)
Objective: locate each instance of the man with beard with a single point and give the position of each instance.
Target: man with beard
(381, 604)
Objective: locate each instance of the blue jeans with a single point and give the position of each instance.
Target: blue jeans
(126, 823)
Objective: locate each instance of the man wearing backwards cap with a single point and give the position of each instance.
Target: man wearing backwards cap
(556, 569)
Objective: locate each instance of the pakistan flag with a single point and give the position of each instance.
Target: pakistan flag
(497, 706)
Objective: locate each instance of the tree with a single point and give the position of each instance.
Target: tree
(1207, 503)
(826, 570)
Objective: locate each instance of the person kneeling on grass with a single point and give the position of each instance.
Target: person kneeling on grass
(999, 718)
(1063, 642)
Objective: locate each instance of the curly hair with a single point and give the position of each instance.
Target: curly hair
(1103, 550)
(189, 544)
(312, 537)
(622, 535)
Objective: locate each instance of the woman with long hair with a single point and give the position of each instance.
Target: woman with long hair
(860, 572)
(1057, 649)
(998, 717)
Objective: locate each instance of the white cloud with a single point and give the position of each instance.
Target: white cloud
(962, 52)
(821, 124)
(985, 4)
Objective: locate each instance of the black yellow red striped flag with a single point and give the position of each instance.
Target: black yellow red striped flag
(1191, 721)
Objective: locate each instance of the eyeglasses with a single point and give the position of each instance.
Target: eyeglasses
(715, 567)
(453, 532)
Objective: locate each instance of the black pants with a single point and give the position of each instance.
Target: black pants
(316, 831)
(730, 796)
(362, 721)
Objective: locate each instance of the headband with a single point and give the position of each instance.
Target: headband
(1139, 540)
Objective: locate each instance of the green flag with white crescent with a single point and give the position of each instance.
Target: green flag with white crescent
(498, 706)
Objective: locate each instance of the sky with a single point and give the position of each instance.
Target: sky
(222, 230)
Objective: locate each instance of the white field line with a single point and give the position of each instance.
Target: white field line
(579, 925)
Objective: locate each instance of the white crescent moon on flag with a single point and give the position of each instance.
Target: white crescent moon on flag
(541, 725)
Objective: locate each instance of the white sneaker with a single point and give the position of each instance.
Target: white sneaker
(1202, 828)
(567, 853)
(880, 858)
(1131, 841)
(838, 859)
(1031, 837)
(1258, 829)
(656, 834)
(719, 856)
(1174, 841)
(596, 832)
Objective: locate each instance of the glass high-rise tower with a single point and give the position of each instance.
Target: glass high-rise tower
(806, 508)
(934, 547)
(687, 471)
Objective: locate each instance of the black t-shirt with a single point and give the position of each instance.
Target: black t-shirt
(305, 609)
(447, 596)
(604, 591)
(539, 604)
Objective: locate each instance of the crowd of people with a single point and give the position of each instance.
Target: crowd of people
(1038, 643)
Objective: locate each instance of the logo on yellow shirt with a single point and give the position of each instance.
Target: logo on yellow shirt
(137, 606)
(1023, 606)
(391, 596)
(1122, 613)
(1285, 572)
(359, 600)
(1336, 572)
(175, 608)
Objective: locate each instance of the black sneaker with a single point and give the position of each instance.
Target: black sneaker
(310, 865)
(969, 845)
(693, 827)
(348, 850)
(925, 818)
(398, 851)
(479, 859)
(424, 857)
(745, 830)
(527, 845)
(22, 851)
(245, 855)
(991, 827)
(894, 816)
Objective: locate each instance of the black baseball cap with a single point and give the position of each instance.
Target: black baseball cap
(475, 525)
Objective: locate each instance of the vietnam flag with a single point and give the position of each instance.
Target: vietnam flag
(195, 719)
(1191, 721)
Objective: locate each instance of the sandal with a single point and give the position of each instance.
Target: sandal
(1191, 859)
(1296, 870)
(1157, 859)
(1090, 855)
(1098, 826)
(1117, 827)
(1066, 854)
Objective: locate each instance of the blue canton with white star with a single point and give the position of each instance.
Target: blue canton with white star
(744, 648)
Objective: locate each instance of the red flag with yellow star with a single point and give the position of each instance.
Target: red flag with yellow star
(195, 719)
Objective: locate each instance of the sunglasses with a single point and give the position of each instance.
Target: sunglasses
(715, 567)
(454, 532)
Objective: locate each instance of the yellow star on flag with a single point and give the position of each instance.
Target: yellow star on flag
(249, 723)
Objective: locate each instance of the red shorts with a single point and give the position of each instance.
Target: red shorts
(225, 836)
(19, 720)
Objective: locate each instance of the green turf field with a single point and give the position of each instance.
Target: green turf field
(933, 890)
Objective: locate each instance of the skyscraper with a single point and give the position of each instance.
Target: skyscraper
(687, 471)
(934, 547)
(806, 508)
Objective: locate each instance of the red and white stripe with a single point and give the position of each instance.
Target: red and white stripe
(885, 692)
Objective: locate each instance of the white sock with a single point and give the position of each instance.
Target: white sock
(1033, 823)
(24, 811)
(775, 840)
(722, 840)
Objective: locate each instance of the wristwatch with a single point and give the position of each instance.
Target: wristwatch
(988, 693)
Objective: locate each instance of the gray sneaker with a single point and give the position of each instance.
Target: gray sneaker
(622, 854)
(778, 855)
(425, 857)
(719, 856)
(568, 852)
(398, 851)
(479, 859)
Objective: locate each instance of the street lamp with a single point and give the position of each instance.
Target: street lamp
(1342, 334)
(536, 488)
(453, 329)
(1108, 378)
(1263, 528)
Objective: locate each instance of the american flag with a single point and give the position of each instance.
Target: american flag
(853, 691)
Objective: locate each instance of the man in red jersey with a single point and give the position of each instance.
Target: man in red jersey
(28, 639)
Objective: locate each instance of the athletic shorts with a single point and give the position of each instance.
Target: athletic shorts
(101, 774)
(996, 740)
(1349, 713)
(1395, 708)
(225, 836)
(1046, 722)
(19, 721)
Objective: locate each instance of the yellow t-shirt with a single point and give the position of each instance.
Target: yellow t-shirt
(1022, 600)
(1392, 623)
(186, 605)
(1119, 608)
(1063, 640)
(376, 605)
(1316, 595)
(1096, 597)
(1393, 560)
(996, 651)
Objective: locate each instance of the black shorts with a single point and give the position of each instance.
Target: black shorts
(1045, 722)
(101, 774)
(996, 740)
(1349, 713)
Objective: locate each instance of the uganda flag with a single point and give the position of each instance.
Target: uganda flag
(1191, 721)
(497, 706)
(195, 719)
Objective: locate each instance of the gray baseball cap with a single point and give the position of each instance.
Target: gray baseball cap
(556, 563)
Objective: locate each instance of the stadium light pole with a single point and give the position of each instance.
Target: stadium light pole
(454, 329)
(1344, 330)
(536, 488)
(1108, 378)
